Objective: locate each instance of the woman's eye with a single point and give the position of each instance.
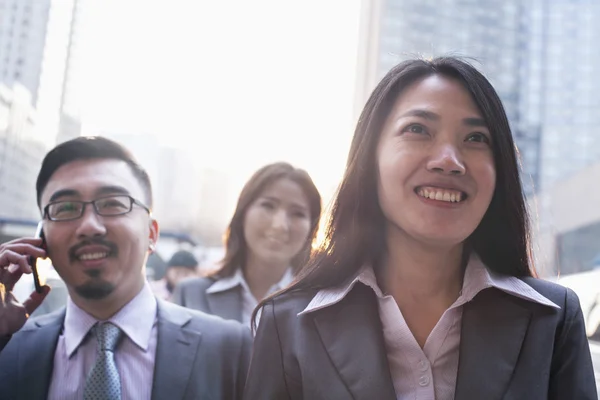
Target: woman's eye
(415, 128)
(478, 137)
(299, 214)
(268, 206)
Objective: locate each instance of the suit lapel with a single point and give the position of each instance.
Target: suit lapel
(36, 360)
(352, 335)
(175, 352)
(226, 304)
(493, 329)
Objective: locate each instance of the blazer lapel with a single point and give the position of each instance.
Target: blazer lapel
(226, 304)
(352, 334)
(36, 360)
(176, 350)
(493, 329)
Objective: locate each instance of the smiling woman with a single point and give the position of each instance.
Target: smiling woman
(268, 239)
(424, 287)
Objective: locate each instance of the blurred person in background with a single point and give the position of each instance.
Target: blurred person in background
(155, 267)
(424, 287)
(268, 239)
(182, 265)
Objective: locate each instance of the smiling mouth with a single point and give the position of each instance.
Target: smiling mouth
(275, 241)
(93, 256)
(447, 195)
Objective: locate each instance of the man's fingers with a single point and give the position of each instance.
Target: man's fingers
(25, 249)
(36, 242)
(8, 257)
(9, 280)
(36, 299)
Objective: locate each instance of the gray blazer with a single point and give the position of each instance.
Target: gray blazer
(510, 349)
(191, 293)
(198, 356)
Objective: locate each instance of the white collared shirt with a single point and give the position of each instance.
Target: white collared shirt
(249, 302)
(76, 353)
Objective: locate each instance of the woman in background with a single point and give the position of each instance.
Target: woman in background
(268, 239)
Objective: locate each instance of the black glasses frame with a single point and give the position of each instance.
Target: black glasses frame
(84, 204)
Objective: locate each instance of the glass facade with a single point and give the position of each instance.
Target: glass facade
(539, 54)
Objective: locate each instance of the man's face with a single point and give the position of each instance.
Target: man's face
(99, 257)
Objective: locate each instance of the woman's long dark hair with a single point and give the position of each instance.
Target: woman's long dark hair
(354, 234)
(235, 243)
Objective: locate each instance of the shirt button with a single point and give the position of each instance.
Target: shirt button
(424, 380)
(423, 365)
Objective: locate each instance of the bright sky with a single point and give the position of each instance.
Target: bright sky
(239, 82)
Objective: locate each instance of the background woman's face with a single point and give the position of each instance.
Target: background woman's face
(277, 223)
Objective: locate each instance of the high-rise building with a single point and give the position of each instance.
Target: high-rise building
(562, 87)
(34, 42)
(21, 153)
(36, 38)
(74, 86)
(23, 27)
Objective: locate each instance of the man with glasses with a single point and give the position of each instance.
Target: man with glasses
(114, 339)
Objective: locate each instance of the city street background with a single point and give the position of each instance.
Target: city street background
(205, 92)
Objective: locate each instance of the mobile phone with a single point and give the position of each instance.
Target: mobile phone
(39, 234)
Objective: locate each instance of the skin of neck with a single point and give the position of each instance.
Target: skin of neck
(416, 272)
(261, 275)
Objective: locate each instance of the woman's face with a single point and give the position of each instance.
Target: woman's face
(277, 223)
(435, 163)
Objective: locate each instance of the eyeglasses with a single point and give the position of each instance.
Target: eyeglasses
(110, 206)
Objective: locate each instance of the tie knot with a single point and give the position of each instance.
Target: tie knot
(107, 335)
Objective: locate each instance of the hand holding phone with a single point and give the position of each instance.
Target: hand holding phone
(39, 234)
(15, 258)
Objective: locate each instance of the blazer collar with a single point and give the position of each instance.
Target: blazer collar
(176, 351)
(494, 325)
(353, 338)
(35, 365)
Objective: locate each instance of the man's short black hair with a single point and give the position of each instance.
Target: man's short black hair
(88, 148)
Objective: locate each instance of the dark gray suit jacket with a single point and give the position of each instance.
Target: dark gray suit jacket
(198, 356)
(191, 293)
(510, 349)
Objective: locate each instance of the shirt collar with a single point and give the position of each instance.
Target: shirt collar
(477, 278)
(135, 319)
(237, 279)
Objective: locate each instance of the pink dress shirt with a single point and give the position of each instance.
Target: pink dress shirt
(75, 352)
(429, 373)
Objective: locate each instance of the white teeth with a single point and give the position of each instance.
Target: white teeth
(441, 195)
(92, 256)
